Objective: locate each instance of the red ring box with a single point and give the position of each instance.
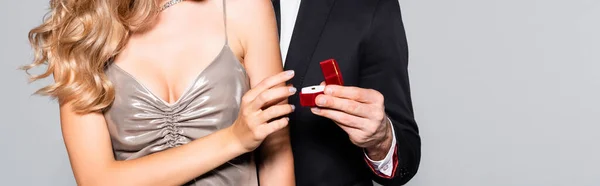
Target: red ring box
(332, 75)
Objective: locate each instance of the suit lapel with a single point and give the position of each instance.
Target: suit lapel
(310, 22)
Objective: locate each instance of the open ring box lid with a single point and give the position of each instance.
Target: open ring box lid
(331, 73)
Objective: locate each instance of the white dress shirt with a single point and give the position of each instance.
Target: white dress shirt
(289, 12)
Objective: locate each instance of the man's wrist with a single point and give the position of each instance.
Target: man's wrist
(378, 151)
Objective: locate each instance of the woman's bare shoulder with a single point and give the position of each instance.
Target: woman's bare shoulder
(249, 9)
(250, 17)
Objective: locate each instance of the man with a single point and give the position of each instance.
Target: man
(356, 135)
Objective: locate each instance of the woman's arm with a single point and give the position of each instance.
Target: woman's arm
(257, 25)
(90, 152)
(88, 143)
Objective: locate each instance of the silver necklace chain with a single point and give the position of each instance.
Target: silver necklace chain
(169, 4)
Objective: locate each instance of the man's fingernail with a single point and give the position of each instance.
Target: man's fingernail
(328, 90)
(293, 107)
(315, 110)
(292, 90)
(289, 73)
(320, 101)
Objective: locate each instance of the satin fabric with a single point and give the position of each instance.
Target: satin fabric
(140, 123)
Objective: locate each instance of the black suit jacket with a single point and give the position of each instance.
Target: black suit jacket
(367, 39)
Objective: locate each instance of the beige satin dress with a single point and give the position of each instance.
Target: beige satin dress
(140, 123)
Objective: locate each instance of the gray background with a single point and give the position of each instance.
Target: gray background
(505, 92)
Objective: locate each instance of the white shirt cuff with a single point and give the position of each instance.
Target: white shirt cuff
(386, 165)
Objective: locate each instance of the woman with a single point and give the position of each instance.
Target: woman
(144, 101)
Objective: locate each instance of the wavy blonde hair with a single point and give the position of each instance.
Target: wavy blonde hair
(77, 39)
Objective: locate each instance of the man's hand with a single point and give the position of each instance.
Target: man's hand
(361, 113)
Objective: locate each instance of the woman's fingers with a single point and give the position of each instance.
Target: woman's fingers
(260, 115)
(268, 83)
(271, 96)
(275, 112)
(273, 126)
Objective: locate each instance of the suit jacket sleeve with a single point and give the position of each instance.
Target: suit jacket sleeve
(383, 67)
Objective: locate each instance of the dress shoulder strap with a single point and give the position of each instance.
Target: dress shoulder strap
(225, 21)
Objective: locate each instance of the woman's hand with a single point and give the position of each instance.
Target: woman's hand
(89, 146)
(260, 114)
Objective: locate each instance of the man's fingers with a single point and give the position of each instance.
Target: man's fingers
(271, 96)
(344, 105)
(268, 83)
(354, 93)
(352, 132)
(341, 118)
